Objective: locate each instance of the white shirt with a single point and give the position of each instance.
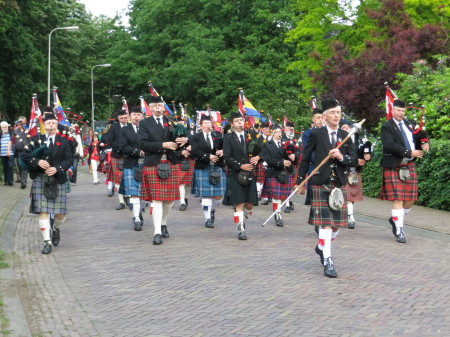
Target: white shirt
(408, 133)
(47, 142)
(329, 134)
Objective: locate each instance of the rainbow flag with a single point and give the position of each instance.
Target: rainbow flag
(154, 93)
(59, 111)
(247, 109)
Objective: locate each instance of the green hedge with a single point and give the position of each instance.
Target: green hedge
(433, 171)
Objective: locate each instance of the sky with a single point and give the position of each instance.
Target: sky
(108, 8)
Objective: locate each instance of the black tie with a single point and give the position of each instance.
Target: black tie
(50, 143)
(159, 122)
(208, 140)
(333, 138)
(242, 140)
(405, 139)
(137, 128)
(279, 144)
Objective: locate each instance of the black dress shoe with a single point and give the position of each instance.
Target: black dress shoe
(394, 227)
(401, 237)
(278, 220)
(110, 193)
(351, 224)
(328, 269)
(137, 225)
(287, 209)
(126, 200)
(183, 207)
(242, 235)
(157, 239)
(213, 215)
(320, 253)
(164, 232)
(56, 237)
(291, 205)
(47, 248)
(209, 223)
(121, 206)
(23, 186)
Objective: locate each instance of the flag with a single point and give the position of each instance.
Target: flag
(125, 106)
(247, 110)
(59, 111)
(313, 103)
(35, 118)
(285, 121)
(145, 108)
(390, 97)
(154, 93)
(216, 117)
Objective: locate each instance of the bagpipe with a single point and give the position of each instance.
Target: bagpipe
(39, 151)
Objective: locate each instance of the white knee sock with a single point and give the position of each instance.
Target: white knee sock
(259, 187)
(407, 211)
(207, 206)
(167, 206)
(334, 234)
(182, 193)
(58, 222)
(239, 218)
(325, 235)
(398, 217)
(157, 214)
(350, 210)
(110, 185)
(276, 203)
(44, 225)
(120, 196)
(136, 207)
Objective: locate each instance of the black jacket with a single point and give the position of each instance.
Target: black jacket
(113, 137)
(274, 157)
(201, 151)
(234, 153)
(319, 144)
(60, 157)
(151, 138)
(129, 146)
(394, 148)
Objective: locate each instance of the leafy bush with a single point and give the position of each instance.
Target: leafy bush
(433, 171)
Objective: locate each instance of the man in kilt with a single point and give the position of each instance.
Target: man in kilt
(160, 179)
(278, 181)
(207, 149)
(401, 146)
(186, 165)
(354, 186)
(114, 176)
(260, 172)
(132, 165)
(323, 142)
(47, 158)
(288, 137)
(241, 186)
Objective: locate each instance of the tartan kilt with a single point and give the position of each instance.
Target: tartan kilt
(395, 189)
(131, 185)
(273, 189)
(260, 173)
(155, 188)
(202, 187)
(355, 192)
(102, 167)
(114, 174)
(235, 193)
(186, 176)
(294, 174)
(40, 204)
(321, 214)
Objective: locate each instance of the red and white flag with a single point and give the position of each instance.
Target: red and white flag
(390, 97)
(35, 117)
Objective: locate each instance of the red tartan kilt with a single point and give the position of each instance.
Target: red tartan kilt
(114, 174)
(355, 192)
(186, 176)
(294, 174)
(260, 174)
(273, 189)
(395, 189)
(155, 188)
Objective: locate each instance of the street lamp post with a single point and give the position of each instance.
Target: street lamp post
(106, 65)
(70, 29)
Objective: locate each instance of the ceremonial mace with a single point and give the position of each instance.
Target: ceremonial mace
(355, 128)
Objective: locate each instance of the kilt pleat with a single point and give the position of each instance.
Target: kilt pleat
(273, 189)
(114, 174)
(355, 192)
(395, 189)
(40, 204)
(131, 185)
(155, 188)
(202, 187)
(186, 176)
(321, 214)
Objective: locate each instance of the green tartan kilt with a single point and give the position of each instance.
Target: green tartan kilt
(321, 214)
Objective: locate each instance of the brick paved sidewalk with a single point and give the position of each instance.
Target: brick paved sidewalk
(107, 280)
